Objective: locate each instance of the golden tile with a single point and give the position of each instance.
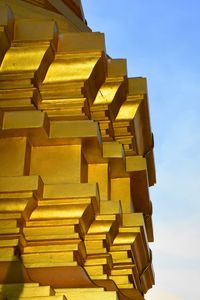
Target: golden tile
(12, 158)
(56, 163)
(98, 173)
(19, 183)
(120, 190)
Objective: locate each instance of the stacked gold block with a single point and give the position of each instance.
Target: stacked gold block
(33, 291)
(76, 163)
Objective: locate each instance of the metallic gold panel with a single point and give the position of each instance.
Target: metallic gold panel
(57, 163)
(98, 173)
(49, 259)
(22, 59)
(71, 129)
(12, 156)
(27, 291)
(34, 30)
(120, 190)
(65, 246)
(110, 207)
(87, 294)
(137, 85)
(117, 68)
(112, 149)
(23, 119)
(19, 183)
(128, 110)
(135, 163)
(81, 42)
(133, 219)
(70, 69)
(7, 254)
(70, 190)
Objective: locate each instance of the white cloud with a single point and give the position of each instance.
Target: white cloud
(179, 238)
(161, 294)
(176, 258)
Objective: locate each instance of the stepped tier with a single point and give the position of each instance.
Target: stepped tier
(76, 161)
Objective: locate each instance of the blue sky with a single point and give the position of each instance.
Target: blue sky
(161, 41)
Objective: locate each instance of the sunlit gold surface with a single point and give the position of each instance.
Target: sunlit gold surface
(76, 160)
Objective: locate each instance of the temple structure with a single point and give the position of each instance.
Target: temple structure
(76, 160)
